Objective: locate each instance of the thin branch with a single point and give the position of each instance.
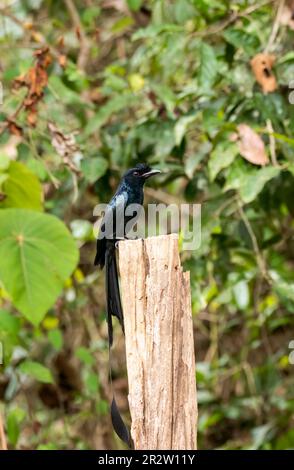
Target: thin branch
(75, 18)
(5, 12)
(259, 257)
(276, 25)
(233, 18)
(272, 142)
(11, 118)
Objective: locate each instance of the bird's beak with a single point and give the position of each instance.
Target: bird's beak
(151, 173)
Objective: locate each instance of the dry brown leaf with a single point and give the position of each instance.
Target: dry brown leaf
(251, 146)
(32, 117)
(262, 68)
(35, 80)
(65, 145)
(28, 25)
(14, 128)
(60, 42)
(78, 32)
(62, 60)
(36, 36)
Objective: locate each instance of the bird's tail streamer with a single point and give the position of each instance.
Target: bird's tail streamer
(114, 308)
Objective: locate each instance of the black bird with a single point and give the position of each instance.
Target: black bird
(129, 191)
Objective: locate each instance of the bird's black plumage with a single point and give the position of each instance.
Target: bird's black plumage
(129, 191)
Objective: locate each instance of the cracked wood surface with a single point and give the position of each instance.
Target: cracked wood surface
(159, 344)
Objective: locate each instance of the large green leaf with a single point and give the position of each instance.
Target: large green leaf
(21, 188)
(37, 255)
(94, 168)
(249, 181)
(113, 106)
(221, 157)
(253, 184)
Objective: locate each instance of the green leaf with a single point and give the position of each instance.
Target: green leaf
(90, 14)
(113, 106)
(249, 181)
(37, 371)
(56, 339)
(242, 40)
(122, 24)
(208, 66)
(8, 323)
(21, 188)
(134, 5)
(91, 383)
(153, 31)
(221, 157)
(9, 329)
(4, 162)
(241, 294)
(64, 93)
(85, 356)
(49, 446)
(37, 255)
(182, 126)
(284, 289)
(14, 419)
(94, 168)
(253, 184)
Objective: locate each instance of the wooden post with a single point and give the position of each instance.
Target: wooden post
(159, 344)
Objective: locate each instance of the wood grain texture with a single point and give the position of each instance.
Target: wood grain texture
(159, 344)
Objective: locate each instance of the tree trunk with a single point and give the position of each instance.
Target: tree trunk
(159, 344)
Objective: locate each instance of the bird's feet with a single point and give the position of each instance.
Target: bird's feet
(126, 238)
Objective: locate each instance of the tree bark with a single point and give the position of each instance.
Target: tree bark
(159, 344)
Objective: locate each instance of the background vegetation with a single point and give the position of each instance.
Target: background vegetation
(89, 89)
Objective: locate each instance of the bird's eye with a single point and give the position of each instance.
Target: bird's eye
(135, 173)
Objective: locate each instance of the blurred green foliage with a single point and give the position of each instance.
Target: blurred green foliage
(168, 83)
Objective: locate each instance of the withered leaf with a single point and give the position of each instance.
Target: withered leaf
(32, 117)
(14, 128)
(251, 146)
(62, 60)
(36, 80)
(44, 58)
(261, 65)
(60, 42)
(36, 36)
(65, 145)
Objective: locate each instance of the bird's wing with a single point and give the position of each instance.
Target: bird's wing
(113, 221)
(108, 227)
